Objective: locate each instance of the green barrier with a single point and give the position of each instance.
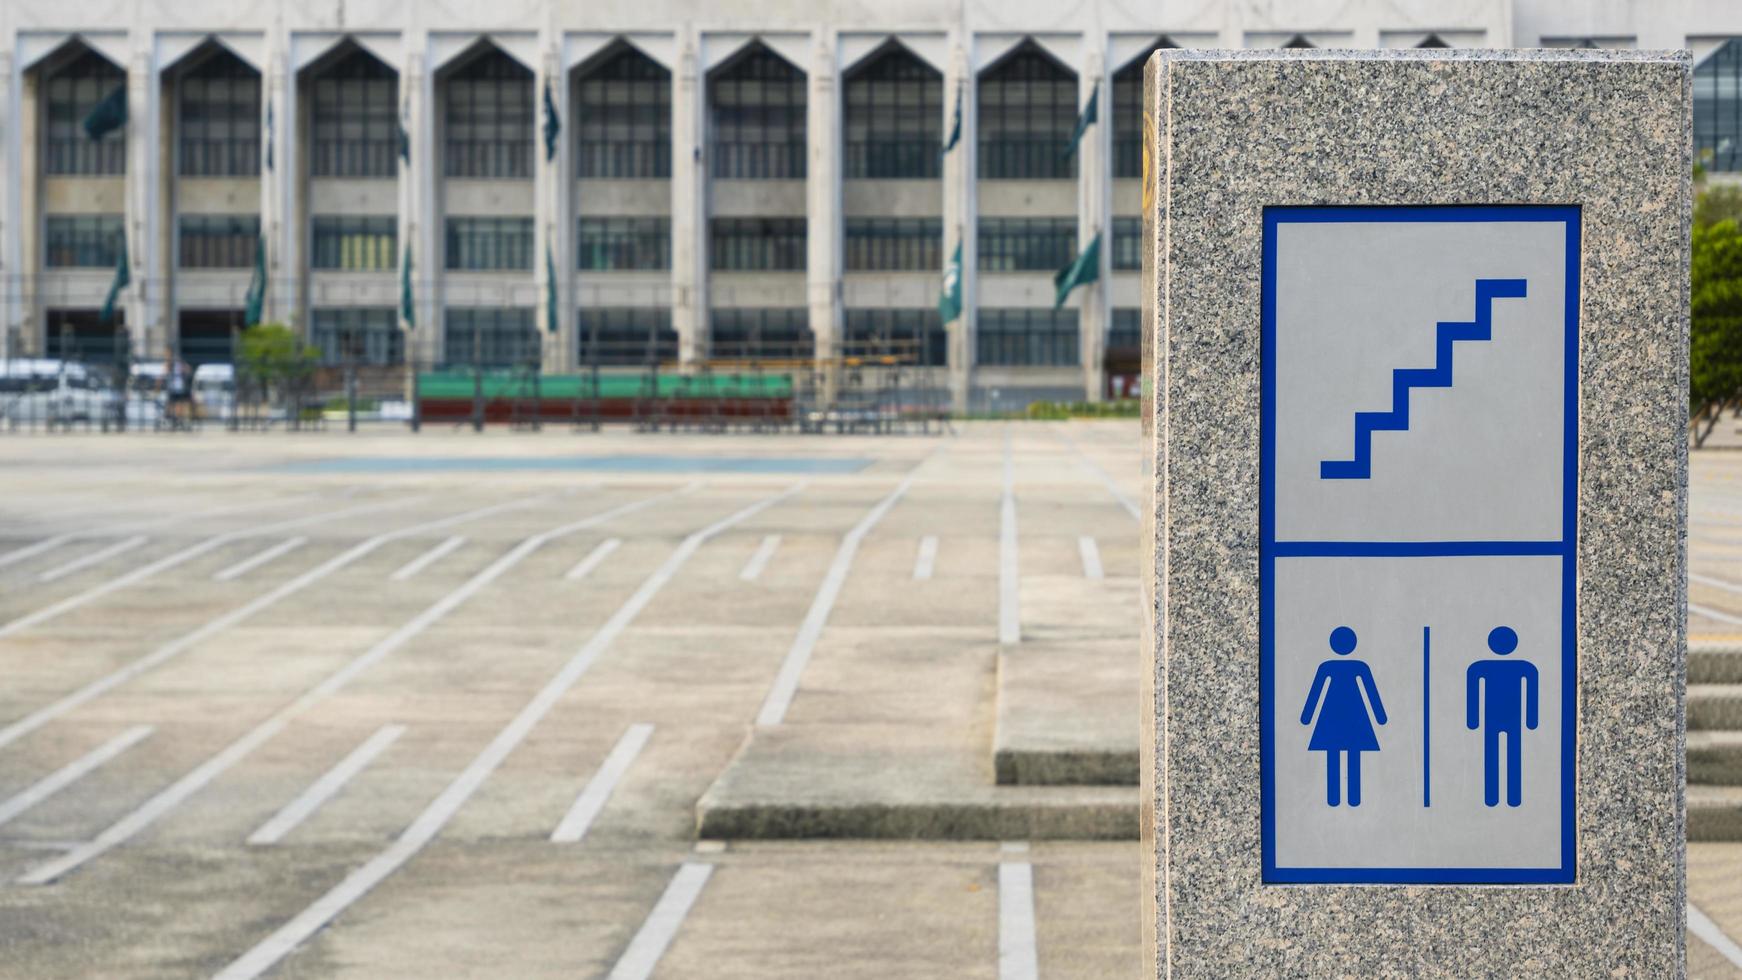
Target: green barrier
(447, 384)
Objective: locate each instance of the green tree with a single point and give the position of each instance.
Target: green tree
(1715, 333)
(275, 361)
(1719, 203)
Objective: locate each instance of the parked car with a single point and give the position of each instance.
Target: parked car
(71, 395)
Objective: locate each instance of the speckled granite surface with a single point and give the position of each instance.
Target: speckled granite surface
(1235, 131)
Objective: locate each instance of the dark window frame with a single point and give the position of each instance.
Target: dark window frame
(1717, 112)
(68, 96)
(916, 336)
(764, 333)
(892, 106)
(1026, 337)
(82, 241)
(1027, 110)
(218, 118)
(354, 117)
(507, 336)
(1128, 113)
(893, 244)
(488, 118)
(354, 242)
(1025, 244)
(622, 113)
(373, 330)
(757, 244)
(216, 241)
(482, 243)
(628, 336)
(757, 117)
(622, 244)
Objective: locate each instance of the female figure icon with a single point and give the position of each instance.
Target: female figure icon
(1344, 724)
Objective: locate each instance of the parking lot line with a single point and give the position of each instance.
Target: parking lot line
(594, 559)
(598, 789)
(1702, 926)
(324, 788)
(70, 773)
(32, 550)
(759, 558)
(1710, 613)
(660, 928)
(249, 564)
(926, 559)
(1716, 583)
(427, 559)
(1105, 477)
(422, 830)
(1009, 583)
(42, 716)
(177, 792)
(1091, 554)
(1017, 957)
(86, 561)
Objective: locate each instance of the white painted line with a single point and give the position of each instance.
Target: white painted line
(594, 559)
(429, 823)
(759, 560)
(65, 776)
(247, 565)
(1710, 613)
(598, 790)
(1106, 478)
(1716, 583)
(656, 933)
(426, 559)
(1708, 931)
(1017, 958)
(785, 687)
(177, 792)
(42, 716)
(86, 561)
(927, 558)
(32, 550)
(1009, 581)
(324, 788)
(1091, 554)
(187, 554)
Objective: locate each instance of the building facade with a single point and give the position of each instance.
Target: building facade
(564, 183)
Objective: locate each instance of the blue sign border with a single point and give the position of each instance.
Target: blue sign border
(1567, 548)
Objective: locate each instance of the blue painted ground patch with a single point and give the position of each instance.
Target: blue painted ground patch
(590, 464)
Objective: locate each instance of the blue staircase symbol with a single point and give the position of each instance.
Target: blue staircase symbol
(1405, 379)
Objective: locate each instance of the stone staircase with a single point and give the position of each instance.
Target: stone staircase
(1714, 742)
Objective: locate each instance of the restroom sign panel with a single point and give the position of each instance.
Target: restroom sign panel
(1418, 529)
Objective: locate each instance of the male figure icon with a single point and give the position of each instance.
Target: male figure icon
(1501, 696)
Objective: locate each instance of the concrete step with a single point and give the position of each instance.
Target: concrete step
(1714, 707)
(1714, 663)
(1067, 714)
(1715, 758)
(1714, 813)
(895, 781)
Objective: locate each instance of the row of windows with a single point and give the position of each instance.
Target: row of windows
(1026, 337)
(219, 123)
(218, 241)
(487, 119)
(894, 244)
(355, 243)
(357, 335)
(1027, 244)
(746, 244)
(354, 117)
(83, 240)
(623, 243)
(489, 244)
(68, 97)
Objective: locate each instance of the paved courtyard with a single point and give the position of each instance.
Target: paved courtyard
(453, 705)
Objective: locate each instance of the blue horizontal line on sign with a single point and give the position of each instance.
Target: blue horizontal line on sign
(1419, 876)
(1411, 549)
(1318, 214)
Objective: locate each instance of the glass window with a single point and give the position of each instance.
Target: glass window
(627, 335)
(218, 241)
(1128, 113)
(1027, 244)
(756, 244)
(744, 334)
(1718, 109)
(357, 335)
(490, 244)
(69, 95)
(894, 244)
(623, 243)
(1026, 337)
(1127, 244)
(81, 241)
(893, 117)
(81, 335)
(487, 107)
(1027, 111)
(1126, 333)
(909, 336)
(356, 243)
(355, 118)
(623, 118)
(757, 114)
(219, 126)
(491, 337)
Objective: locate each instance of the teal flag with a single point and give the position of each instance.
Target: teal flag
(123, 278)
(552, 127)
(549, 290)
(255, 306)
(1091, 114)
(108, 115)
(268, 133)
(407, 308)
(404, 135)
(955, 127)
(1086, 269)
(950, 300)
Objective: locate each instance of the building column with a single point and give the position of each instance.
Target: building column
(1094, 210)
(959, 218)
(278, 189)
(548, 236)
(12, 272)
(417, 210)
(823, 189)
(689, 211)
(146, 326)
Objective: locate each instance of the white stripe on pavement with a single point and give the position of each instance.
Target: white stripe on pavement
(1708, 931)
(785, 686)
(324, 788)
(594, 559)
(598, 790)
(655, 935)
(1709, 613)
(1716, 583)
(1017, 958)
(48, 544)
(32, 550)
(86, 561)
(177, 792)
(426, 559)
(306, 923)
(1105, 477)
(1091, 554)
(249, 564)
(759, 560)
(926, 560)
(1009, 582)
(70, 773)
